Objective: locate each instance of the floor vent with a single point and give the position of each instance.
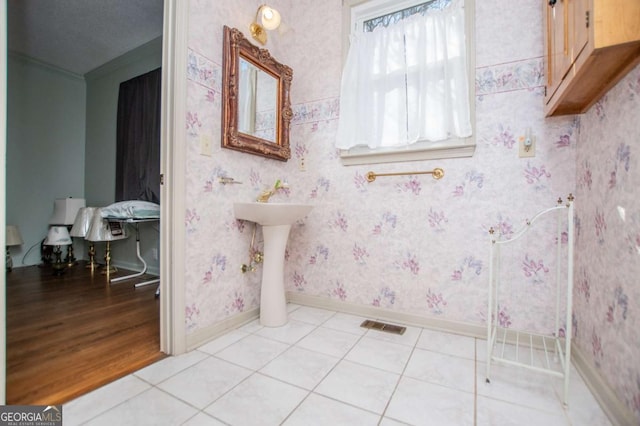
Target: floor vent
(389, 328)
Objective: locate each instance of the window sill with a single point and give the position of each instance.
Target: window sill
(363, 155)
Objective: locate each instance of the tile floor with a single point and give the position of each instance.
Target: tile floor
(322, 368)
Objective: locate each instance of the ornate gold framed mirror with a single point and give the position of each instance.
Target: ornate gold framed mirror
(256, 109)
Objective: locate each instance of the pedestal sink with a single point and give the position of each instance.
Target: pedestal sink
(276, 220)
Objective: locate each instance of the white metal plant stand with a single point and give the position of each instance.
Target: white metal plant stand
(556, 349)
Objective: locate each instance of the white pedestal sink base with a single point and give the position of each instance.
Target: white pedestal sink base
(276, 220)
(273, 303)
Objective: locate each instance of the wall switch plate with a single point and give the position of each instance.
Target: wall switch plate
(527, 146)
(205, 145)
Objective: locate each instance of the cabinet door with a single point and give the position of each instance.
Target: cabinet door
(582, 20)
(558, 49)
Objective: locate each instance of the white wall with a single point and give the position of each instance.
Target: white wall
(45, 147)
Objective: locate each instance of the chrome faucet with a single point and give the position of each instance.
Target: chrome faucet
(267, 193)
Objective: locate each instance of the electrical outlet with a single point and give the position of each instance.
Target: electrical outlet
(205, 145)
(527, 145)
(302, 166)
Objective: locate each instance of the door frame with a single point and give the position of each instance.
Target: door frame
(173, 182)
(3, 198)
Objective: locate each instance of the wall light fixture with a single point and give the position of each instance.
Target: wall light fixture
(267, 18)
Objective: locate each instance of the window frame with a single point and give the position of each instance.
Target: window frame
(354, 13)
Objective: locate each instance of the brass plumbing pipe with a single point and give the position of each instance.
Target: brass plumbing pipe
(437, 173)
(254, 258)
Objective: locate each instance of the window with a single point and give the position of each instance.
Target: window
(399, 100)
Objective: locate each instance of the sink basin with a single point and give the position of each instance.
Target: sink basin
(276, 220)
(271, 214)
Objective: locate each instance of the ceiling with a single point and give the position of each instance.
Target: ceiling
(80, 35)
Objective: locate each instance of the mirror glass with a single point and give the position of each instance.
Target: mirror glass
(257, 102)
(256, 109)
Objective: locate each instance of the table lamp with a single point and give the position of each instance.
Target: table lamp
(13, 238)
(80, 229)
(65, 211)
(58, 236)
(102, 230)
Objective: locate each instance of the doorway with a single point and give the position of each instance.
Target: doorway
(173, 154)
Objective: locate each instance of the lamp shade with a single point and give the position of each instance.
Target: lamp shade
(13, 236)
(270, 18)
(83, 221)
(101, 230)
(58, 236)
(65, 210)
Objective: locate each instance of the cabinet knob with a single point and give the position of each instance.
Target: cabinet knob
(552, 2)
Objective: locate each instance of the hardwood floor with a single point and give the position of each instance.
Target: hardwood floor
(70, 334)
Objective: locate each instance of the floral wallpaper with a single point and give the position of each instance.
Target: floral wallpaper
(607, 294)
(411, 243)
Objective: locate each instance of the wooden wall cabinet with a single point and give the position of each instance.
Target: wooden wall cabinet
(589, 46)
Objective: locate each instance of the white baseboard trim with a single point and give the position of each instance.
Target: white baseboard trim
(136, 267)
(617, 412)
(207, 334)
(374, 312)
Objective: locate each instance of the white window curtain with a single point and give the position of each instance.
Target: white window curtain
(406, 83)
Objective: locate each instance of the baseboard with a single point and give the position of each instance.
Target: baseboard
(207, 334)
(374, 312)
(617, 412)
(136, 267)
